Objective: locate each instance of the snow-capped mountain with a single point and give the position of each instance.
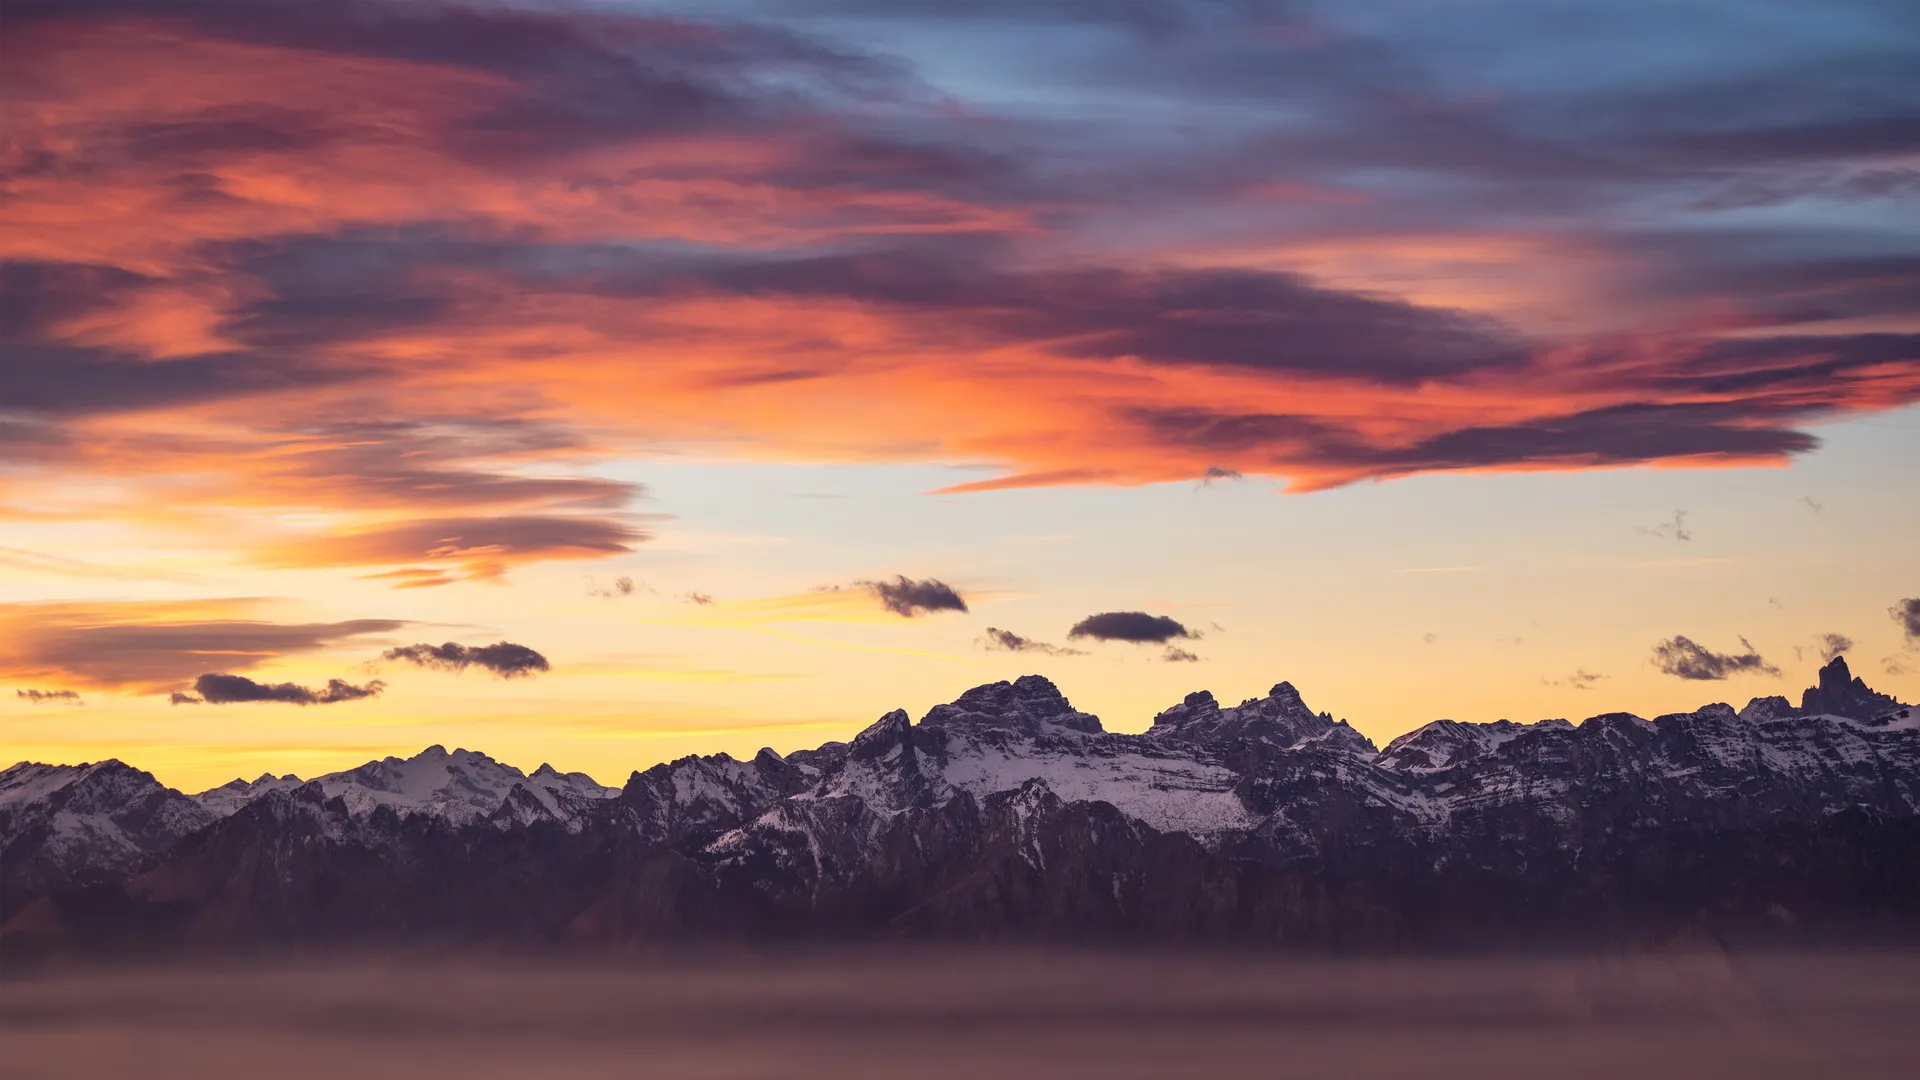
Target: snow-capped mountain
(70, 824)
(462, 786)
(1010, 813)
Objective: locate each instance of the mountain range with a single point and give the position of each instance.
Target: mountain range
(1009, 815)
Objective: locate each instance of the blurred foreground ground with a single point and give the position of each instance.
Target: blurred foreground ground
(981, 1012)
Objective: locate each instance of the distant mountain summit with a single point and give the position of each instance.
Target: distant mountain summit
(1007, 813)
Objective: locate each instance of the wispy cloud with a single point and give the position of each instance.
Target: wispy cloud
(1675, 529)
(998, 640)
(43, 697)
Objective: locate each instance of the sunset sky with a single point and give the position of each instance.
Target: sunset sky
(1445, 360)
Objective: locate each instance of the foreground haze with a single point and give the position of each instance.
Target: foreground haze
(851, 1015)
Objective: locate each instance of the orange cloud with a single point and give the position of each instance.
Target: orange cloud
(155, 646)
(422, 285)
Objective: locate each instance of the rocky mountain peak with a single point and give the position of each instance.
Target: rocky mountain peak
(1023, 705)
(1766, 708)
(1197, 706)
(1284, 694)
(1842, 693)
(1281, 718)
(883, 734)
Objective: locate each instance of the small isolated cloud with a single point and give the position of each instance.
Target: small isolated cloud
(622, 586)
(907, 598)
(1430, 637)
(225, 689)
(1807, 501)
(1177, 655)
(503, 658)
(1581, 679)
(1134, 626)
(1681, 657)
(703, 599)
(1832, 645)
(1669, 530)
(998, 640)
(1216, 473)
(49, 697)
(1895, 665)
(1907, 614)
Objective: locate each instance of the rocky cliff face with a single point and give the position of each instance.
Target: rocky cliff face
(1008, 813)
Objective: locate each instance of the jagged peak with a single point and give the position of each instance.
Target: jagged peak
(1022, 704)
(1842, 693)
(1770, 707)
(1197, 706)
(1285, 693)
(882, 733)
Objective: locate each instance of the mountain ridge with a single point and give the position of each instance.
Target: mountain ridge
(1263, 820)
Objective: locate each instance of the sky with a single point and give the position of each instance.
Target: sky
(599, 383)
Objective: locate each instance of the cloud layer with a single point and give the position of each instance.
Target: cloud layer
(152, 647)
(422, 271)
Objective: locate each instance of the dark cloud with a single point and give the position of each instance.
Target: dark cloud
(1679, 656)
(1177, 655)
(1907, 614)
(224, 689)
(1219, 472)
(1135, 626)
(1668, 530)
(699, 598)
(503, 658)
(1807, 500)
(1832, 645)
(907, 598)
(998, 640)
(40, 697)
